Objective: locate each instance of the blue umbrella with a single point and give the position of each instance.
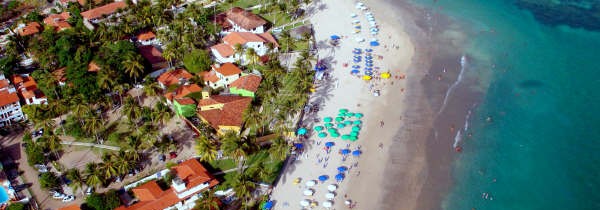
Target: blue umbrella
(356, 60)
(339, 177)
(357, 49)
(329, 144)
(323, 178)
(356, 153)
(368, 50)
(374, 43)
(354, 71)
(342, 169)
(356, 52)
(356, 67)
(298, 145)
(368, 69)
(370, 73)
(369, 57)
(369, 61)
(345, 151)
(335, 37)
(268, 205)
(369, 65)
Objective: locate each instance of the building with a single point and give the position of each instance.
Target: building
(147, 38)
(183, 91)
(60, 76)
(239, 20)
(58, 21)
(221, 75)
(153, 56)
(10, 109)
(98, 14)
(27, 90)
(246, 85)
(29, 29)
(223, 112)
(191, 179)
(225, 52)
(175, 77)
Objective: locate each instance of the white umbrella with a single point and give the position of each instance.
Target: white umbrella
(327, 204)
(311, 183)
(332, 187)
(360, 39)
(309, 192)
(329, 195)
(368, 13)
(304, 203)
(353, 15)
(356, 21)
(359, 4)
(348, 202)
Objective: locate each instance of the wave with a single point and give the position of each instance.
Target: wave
(463, 67)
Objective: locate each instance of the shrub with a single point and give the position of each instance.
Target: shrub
(106, 201)
(49, 181)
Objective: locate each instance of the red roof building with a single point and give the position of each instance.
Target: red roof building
(58, 21)
(154, 56)
(30, 29)
(225, 52)
(223, 112)
(27, 90)
(237, 19)
(191, 179)
(10, 108)
(221, 75)
(183, 92)
(248, 82)
(174, 77)
(99, 12)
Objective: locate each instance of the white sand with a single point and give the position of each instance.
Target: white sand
(347, 91)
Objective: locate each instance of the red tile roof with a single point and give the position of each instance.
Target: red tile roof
(224, 49)
(148, 191)
(8, 98)
(151, 53)
(245, 19)
(231, 113)
(194, 174)
(4, 83)
(146, 36)
(93, 67)
(71, 207)
(210, 76)
(27, 87)
(172, 77)
(249, 82)
(183, 91)
(60, 74)
(59, 21)
(30, 29)
(227, 69)
(107, 9)
(242, 38)
(185, 101)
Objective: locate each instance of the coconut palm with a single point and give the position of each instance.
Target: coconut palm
(208, 202)
(279, 148)
(238, 49)
(77, 180)
(161, 113)
(109, 166)
(47, 124)
(52, 142)
(106, 79)
(252, 56)
(94, 125)
(206, 149)
(80, 111)
(131, 110)
(133, 66)
(93, 175)
(243, 187)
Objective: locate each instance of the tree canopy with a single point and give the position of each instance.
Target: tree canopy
(197, 60)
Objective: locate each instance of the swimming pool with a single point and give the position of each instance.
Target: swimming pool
(3, 195)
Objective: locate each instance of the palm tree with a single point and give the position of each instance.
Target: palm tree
(94, 125)
(81, 110)
(208, 202)
(252, 56)
(133, 66)
(239, 50)
(279, 148)
(121, 89)
(47, 124)
(131, 110)
(152, 89)
(109, 166)
(161, 113)
(52, 141)
(243, 187)
(92, 174)
(77, 180)
(106, 79)
(236, 147)
(206, 149)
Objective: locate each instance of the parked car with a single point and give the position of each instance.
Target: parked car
(68, 198)
(173, 155)
(57, 195)
(161, 157)
(89, 191)
(41, 168)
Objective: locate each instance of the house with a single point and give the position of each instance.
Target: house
(246, 85)
(191, 179)
(183, 91)
(98, 14)
(27, 90)
(225, 52)
(10, 109)
(147, 38)
(185, 107)
(221, 75)
(60, 75)
(29, 29)
(239, 20)
(175, 77)
(153, 56)
(58, 21)
(223, 112)
(93, 67)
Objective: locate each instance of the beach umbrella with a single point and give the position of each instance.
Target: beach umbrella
(341, 125)
(353, 138)
(355, 71)
(298, 145)
(331, 130)
(366, 77)
(348, 202)
(357, 27)
(332, 187)
(385, 75)
(356, 52)
(368, 69)
(353, 15)
(347, 122)
(355, 128)
(308, 192)
(327, 204)
(329, 144)
(339, 119)
(369, 61)
(327, 119)
(358, 115)
(356, 122)
(342, 169)
(302, 131)
(334, 37)
(356, 60)
(322, 135)
(313, 204)
(339, 177)
(368, 50)
(330, 195)
(310, 183)
(319, 128)
(369, 64)
(341, 115)
(369, 73)
(304, 203)
(335, 135)
(354, 133)
(356, 67)
(345, 137)
(368, 57)
(323, 178)
(374, 43)
(349, 114)
(268, 205)
(328, 125)
(356, 21)
(345, 151)
(343, 110)
(356, 153)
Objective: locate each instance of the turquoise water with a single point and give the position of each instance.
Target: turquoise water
(540, 147)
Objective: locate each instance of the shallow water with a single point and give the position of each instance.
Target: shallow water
(532, 138)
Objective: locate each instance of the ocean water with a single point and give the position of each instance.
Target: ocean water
(533, 139)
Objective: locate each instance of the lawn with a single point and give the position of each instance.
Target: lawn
(222, 164)
(238, 3)
(277, 18)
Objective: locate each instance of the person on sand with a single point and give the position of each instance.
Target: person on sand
(381, 123)
(380, 145)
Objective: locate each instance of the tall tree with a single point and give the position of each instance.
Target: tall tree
(206, 149)
(77, 180)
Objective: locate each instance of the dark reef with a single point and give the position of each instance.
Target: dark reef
(574, 13)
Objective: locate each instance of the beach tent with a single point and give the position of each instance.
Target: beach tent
(319, 128)
(355, 128)
(342, 169)
(385, 75)
(327, 204)
(329, 144)
(339, 119)
(339, 177)
(341, 125)
(332, 187)
(310, 183)
(327, 119)
(354, 71)
(308, 192)
(302, 131)
(322, 135)
(366, 77)
(330, 196)
(323, 178)
(356, 153)
(304, 203)
(345, 151)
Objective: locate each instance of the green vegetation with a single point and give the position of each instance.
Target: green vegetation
(48, 180)
(17, 206)
(104, 201)
(197, 61)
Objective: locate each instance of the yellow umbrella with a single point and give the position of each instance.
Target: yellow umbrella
(385, 75)
(366, 77)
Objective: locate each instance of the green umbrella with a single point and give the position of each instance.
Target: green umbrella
(358, 115)
(339, 119)
(328, 125)
(335, 135)
(349, 114)
(327, 119)
(302, 131)
(341, 115)
(322, 135)
(331, 130)
(345, 137)
(341, 125)
(343, 110)
(353, 138)
(319, 128)
(355, 128)
(348, 122)
(357, 122)
(354, 133)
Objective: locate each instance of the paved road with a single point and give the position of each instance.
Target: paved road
(90, 145)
